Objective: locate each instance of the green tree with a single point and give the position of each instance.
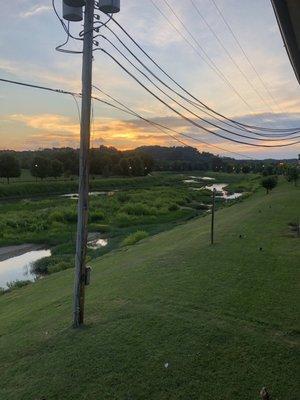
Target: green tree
(40, 167)
(229, 168)
(9, 166)
(124, 167)
(269, 183)
(57, 168)
(268, 170)
(137, 166)
(292, 174)
(148, 163)
(246, 169)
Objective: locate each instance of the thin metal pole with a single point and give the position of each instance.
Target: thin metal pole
(213, 216)
(81, 243)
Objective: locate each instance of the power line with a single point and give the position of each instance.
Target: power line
(229, 54)
(159, 126)
(182, 115)
(187, 109)
(74, 95)
(288, 131)
(183, 97)
(39, 87)
(245, 54)
(211, 63)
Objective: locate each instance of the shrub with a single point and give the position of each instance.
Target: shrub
(123, 197)
(201, 206)
(40, 267)
(292, 174)
(139, 209)
(269, 183)
(17, 284)
(173, 207)
(97, 216)
(122, 219)
(64, 215)
(61, 266)
(49, 265)
(100, 228)
(135, 237)
(70, 216)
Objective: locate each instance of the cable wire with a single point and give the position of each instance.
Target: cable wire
(289, 131)
(180, 95)
(245, 54)
(185, 108)
(182, 115)
(161, 127)
(216, 36)
(210, 62)
(75, 95)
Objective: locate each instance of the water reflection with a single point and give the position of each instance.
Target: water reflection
(97, 244)
(74, 196)
(18, 268)
(220, 188)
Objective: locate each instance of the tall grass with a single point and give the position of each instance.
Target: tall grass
(135, 237)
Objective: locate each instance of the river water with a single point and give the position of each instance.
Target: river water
(18, 268)
(220, 188)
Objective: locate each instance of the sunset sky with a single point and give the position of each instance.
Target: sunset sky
(31, 119)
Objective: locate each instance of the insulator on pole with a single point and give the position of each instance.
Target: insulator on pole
(72, 14)
(109, 6)
(74, 3)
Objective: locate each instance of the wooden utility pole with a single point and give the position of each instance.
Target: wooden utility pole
(213, 216)
(82, 233)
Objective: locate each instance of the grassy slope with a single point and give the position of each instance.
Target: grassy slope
(223, 317)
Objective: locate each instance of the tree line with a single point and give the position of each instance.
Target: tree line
(108, 161)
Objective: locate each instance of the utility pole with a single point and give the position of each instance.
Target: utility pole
(213, 216)
(82, 233)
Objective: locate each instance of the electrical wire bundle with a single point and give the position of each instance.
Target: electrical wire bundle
(257, 136)
(121, 48)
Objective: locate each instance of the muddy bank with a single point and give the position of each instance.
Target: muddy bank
(14, 251)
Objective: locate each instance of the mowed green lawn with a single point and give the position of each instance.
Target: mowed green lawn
(169, 318)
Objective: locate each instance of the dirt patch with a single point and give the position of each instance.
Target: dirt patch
(14, 251)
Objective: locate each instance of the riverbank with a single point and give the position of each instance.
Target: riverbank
(114, 216)
(14, 251)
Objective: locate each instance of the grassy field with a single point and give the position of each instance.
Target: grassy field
(24, 188)
(51, 220)
(20, 188)
(169, 318)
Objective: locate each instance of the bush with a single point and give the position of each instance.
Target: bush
(97, 216)
(64, 215)
(201, 206)
(70, 216)
(40, 267)
(123, 197)
(269, 183)
(103, 228)
(135, 237)
(17, 284)
(61, 266)
(122, 219)
(173, 207)
(49, 265)
(139, 209)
